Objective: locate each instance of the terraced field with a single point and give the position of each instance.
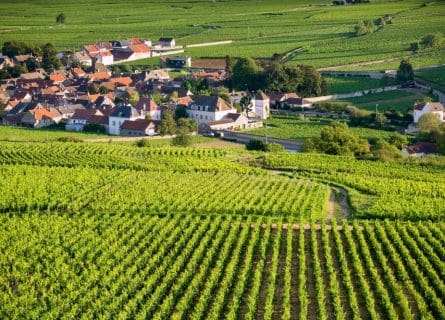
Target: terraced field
(258, 28)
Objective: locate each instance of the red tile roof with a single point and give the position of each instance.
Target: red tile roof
(139, 48)
(139, 125)
(126, 81)
(41, 114)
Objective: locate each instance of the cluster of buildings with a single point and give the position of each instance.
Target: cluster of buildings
(131, 49)
(65, 98)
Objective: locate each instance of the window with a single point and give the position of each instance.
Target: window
(113, 123)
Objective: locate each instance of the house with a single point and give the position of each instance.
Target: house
(177, 62)
(421, 109)
(209, 108)
(261, 106)
(83, 58)
(67, 110)
(420, 149)
(38, 118)
(81, 118)
(167, 42)
(297, 103)
(157, 74)
(119, 115)
(277, 98)
(147, 106)
(231, 121)
(105, 57)
(139, 127)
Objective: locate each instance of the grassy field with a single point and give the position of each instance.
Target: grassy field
(338, 85)
(401, 100)
(436, 75)
(8, 133)
(258, 28)
(290, 127)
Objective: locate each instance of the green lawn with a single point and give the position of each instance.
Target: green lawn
(435, 75)
(400, 100)
(290, 127)
(337, 85)
(8, 133)
(258, 28)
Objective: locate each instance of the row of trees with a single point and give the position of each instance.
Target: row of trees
(248, 75)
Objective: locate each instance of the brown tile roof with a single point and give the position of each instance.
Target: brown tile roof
(98, 119)
(56, 77)
(85, 114)
(139, 48)
(139, 125)
(41, 114)
(99, 76)
(422, 147)
(79, 72)
(147, 104)
(126, 81)
(434, 106)
(91, 48)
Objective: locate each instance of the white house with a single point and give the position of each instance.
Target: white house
(261, 106)
(81, 118)
(119, 115)
(147, 106)
(429, 107)
(167, 42)
(105, 57)
(209, 108)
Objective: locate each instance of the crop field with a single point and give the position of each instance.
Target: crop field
(258, 28)
(138, 266)
(401, 100)
(100, 230)
(337, 85)
(377, 190)
(118, 179)
(291, 127)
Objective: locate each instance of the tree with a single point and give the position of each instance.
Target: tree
(429, 122)
(383, 150)
(93, 88)
(246, 104)
(256, 144)
(380, 119)
(168, 125)
(338, 140)
(32, 64)
(103, 90)
(441, 143)
(61, 18)
(405, 71)
(134, 98)
(180, 112)
(312, 82)
(186, 125)
(433, 41)
(182, 139)
(49, 60)
(398, 140)
(245, 74)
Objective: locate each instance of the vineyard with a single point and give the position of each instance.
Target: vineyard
(294, 128)
(376, 189)
(258, 28)
(138, 266)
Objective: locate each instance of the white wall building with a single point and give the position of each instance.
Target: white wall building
(119, 115)
(209, 108)
(261, 106)
(429, 107)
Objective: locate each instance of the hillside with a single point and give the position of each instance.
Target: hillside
(323, 34)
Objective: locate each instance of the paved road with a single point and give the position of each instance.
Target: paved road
(291, 145)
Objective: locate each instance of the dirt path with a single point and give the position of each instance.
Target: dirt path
(338, 207)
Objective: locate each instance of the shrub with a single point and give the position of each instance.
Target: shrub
(182, 140)
(255, 144)
(274, 147)
(143, 143)
(69, 139)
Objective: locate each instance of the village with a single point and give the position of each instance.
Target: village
(134, 103)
